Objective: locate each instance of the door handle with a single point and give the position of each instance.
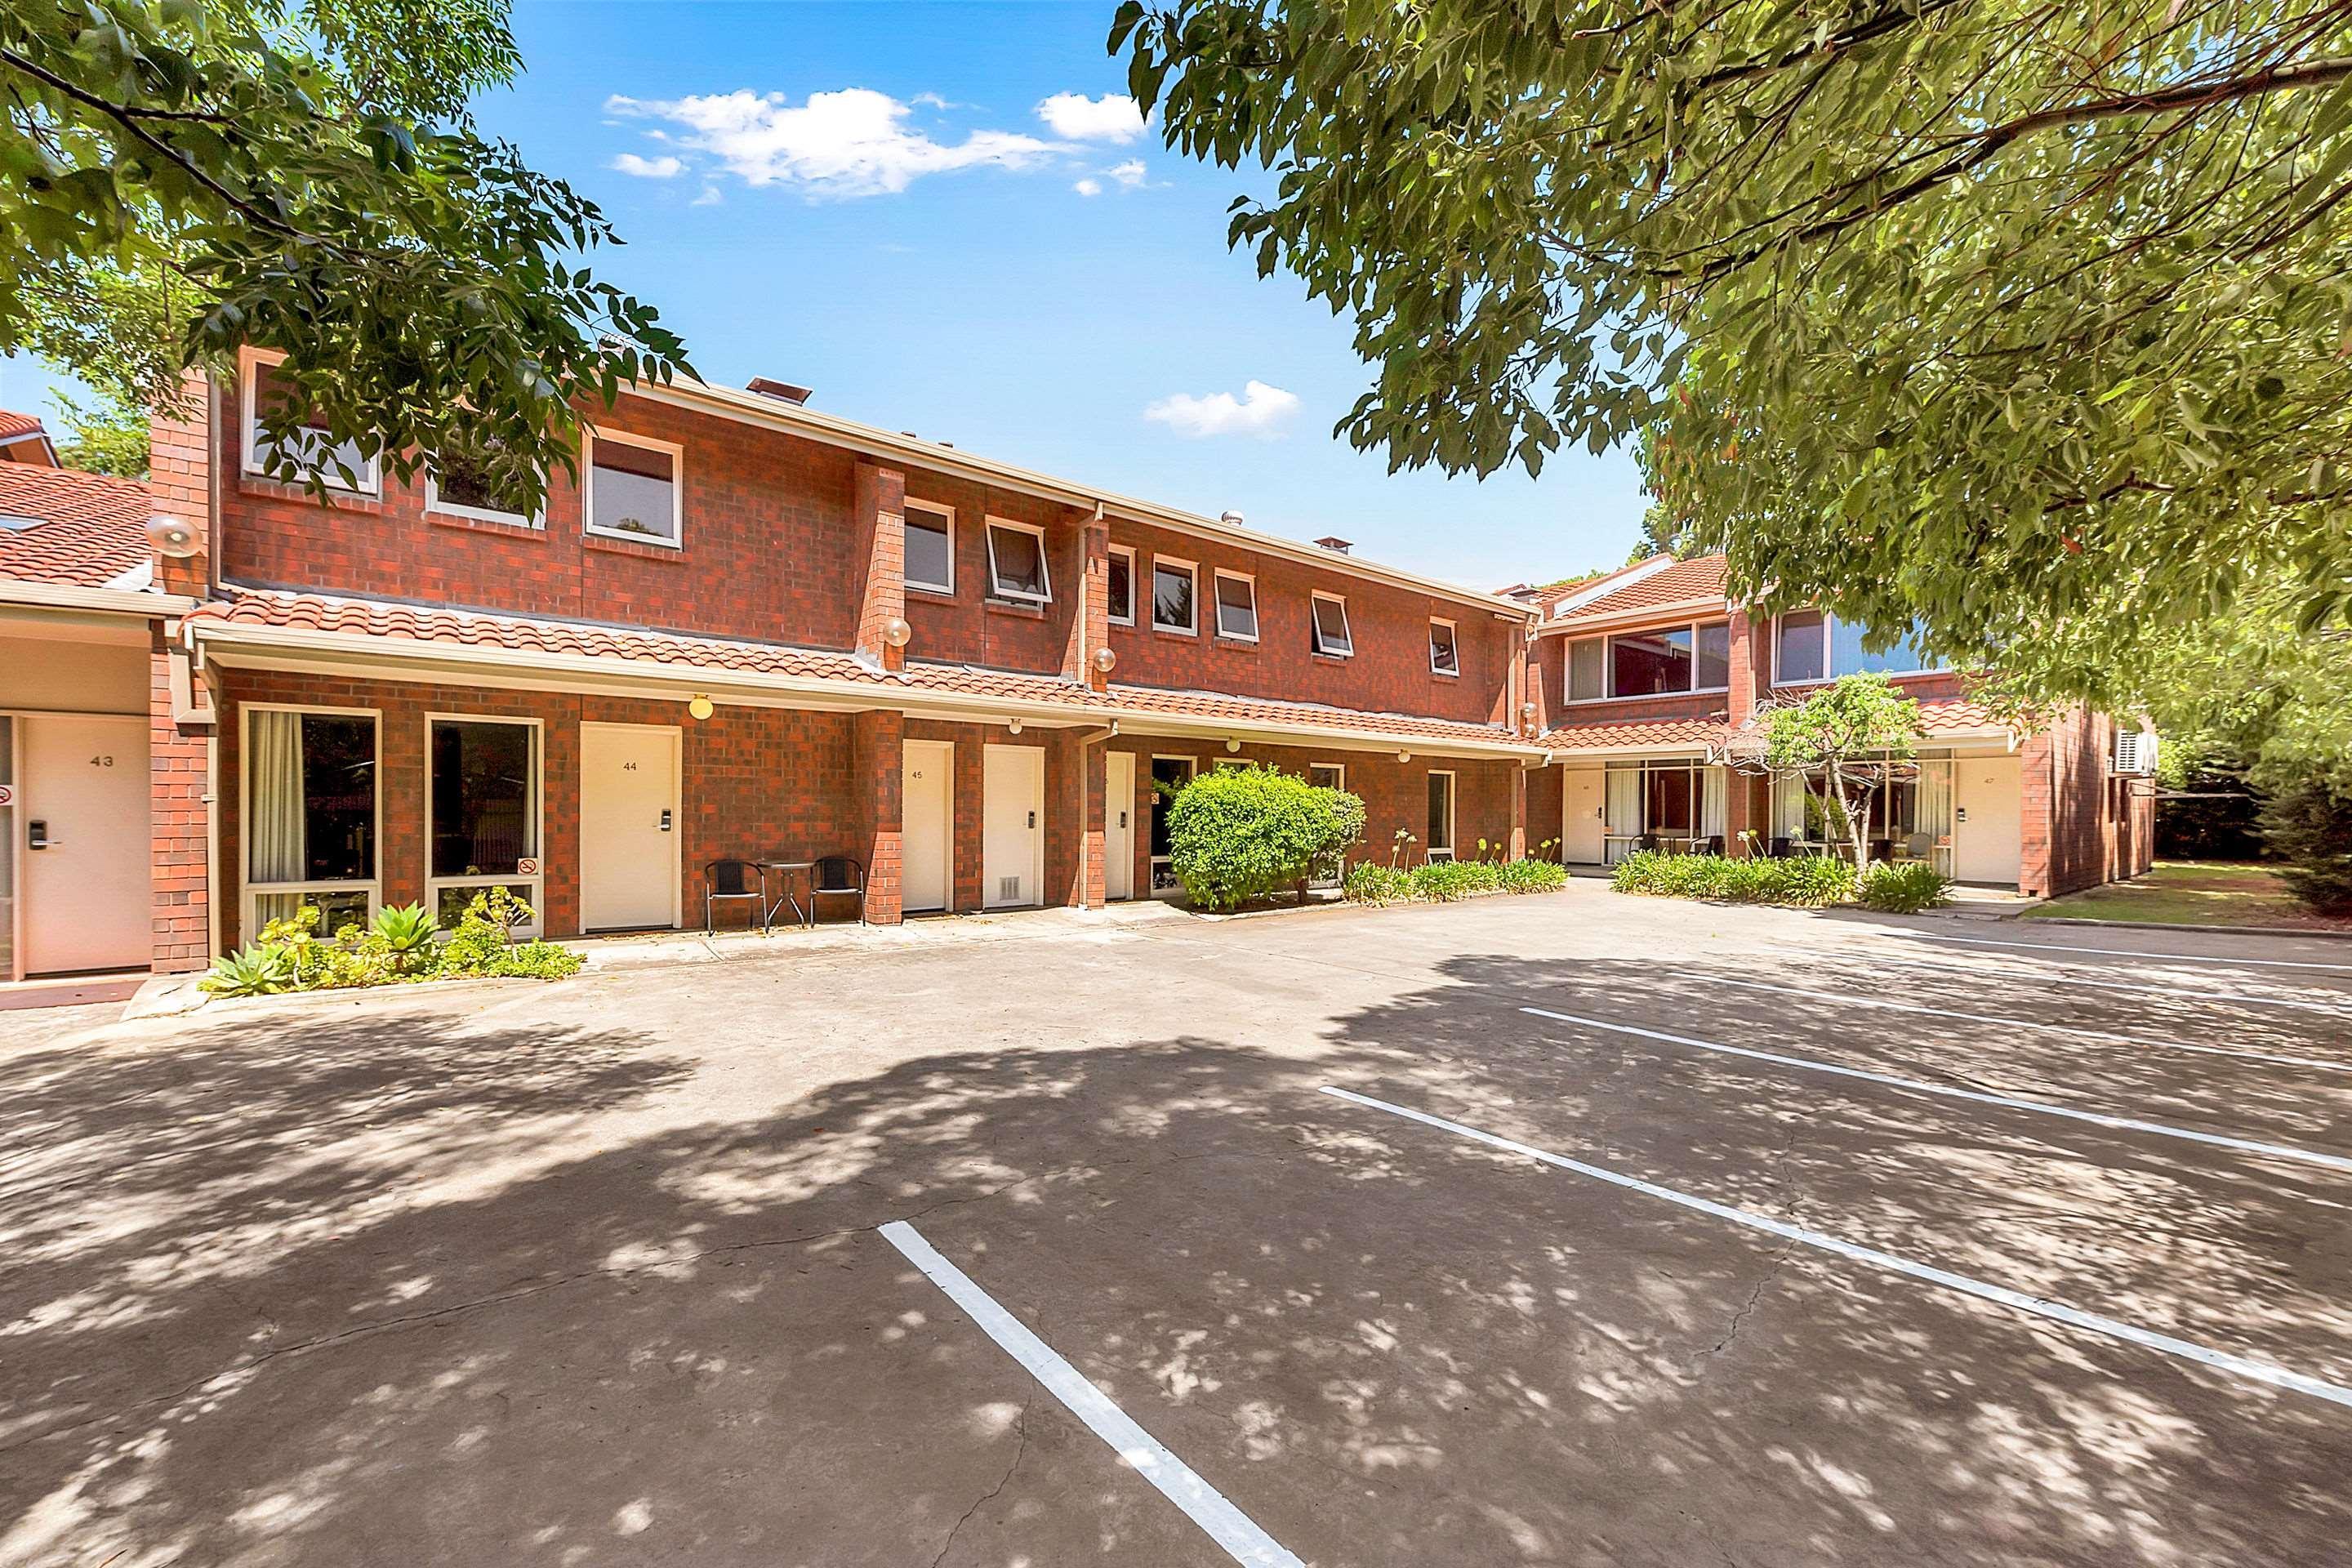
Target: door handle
(37, 836)
(665, 820)
(1122, 819)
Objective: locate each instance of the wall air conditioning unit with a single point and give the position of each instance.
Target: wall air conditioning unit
(2135, 750)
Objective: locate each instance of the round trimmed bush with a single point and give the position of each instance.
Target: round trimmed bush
(1239, 833)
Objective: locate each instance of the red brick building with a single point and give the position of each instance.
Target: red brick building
(1647, 678)
(753, 629)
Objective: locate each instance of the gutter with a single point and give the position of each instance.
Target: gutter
(1711, 605)
(754, 408)
(214, 636)
(112, 601)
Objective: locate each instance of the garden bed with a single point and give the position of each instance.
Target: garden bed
(1803, 881)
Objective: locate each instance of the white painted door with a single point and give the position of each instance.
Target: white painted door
(629, 831)
(1988, 839)
(1583, 817)
(1119, 825)
(927, 804)
(1012, 827)
(82, 795)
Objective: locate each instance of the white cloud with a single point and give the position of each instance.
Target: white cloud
(1129, 174)
(1077, 118)
(1088, 187)
(661, 168)
(853, 142)
(1261, 410)
(708, 198)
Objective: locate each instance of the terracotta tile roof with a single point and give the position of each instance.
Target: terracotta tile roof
(1702, 577)
(1633, 733)
(92, 528)
(1950, 715)
(13, 425)
(380, 618)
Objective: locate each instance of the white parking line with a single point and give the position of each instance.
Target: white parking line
(1962, 964)
(1228, 1526)
(2131, 952)
(2123, 1123)
(2223, 1361)
(2017, 1023)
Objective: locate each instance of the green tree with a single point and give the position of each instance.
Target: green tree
(189, 177)
(103, 437)
(1853, 735)
(2027, 318)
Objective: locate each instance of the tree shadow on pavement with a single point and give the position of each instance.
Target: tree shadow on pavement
(380, 1287)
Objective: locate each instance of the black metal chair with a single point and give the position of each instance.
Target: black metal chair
(1714, 844)
(839, 875)
(1780, 849)
(1648, 841)
(740, 880)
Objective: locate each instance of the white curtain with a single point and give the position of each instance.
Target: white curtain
(1788, 807)
(1625, 801)
(278, 851)
(1934, 797)
(1710, 802)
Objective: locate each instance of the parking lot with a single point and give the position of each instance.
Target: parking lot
(1577, 1229)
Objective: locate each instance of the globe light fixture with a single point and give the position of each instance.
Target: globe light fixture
(1105, 659)
(896, 632)
(172, 536)
(699, 705)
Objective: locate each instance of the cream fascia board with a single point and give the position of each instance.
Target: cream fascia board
(241, 645)
(753, 407)
(1679, 612)
(114, 601)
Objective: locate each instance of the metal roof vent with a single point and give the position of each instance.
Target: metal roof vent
(782, 390)
(1332, 541)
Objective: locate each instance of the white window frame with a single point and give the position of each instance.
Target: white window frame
(538, 880)
(1133, 588)
(1217, 605)
(676, 487)
(1152, 863)
(1830, 622)
(1315, 624)
(370, 484)
(434, 505)
(1190, 569)
(1452, 814)
(249, 891)
(906, 515)
(1453, 641)
(1607, 641)
(996, 588)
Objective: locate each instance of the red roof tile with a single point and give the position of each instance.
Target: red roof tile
(379, 618)
(1633, 733)
(1702, 577)
(92, 527)
(12, 425)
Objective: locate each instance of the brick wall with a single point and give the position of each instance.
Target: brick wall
(179, 782)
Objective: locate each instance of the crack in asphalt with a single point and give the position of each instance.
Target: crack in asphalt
(1020, 1452)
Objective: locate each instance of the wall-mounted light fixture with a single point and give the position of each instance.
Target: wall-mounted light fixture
(1232, 744)
(1404, 756)
(896, 632)
(1012, 728)
(1105, 659)
(699, 705)
(172, 537)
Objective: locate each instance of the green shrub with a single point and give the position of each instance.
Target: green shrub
(1444, 881)
(1370, 882)
(398, 946)
(1810, 880)
(2308, 825)
(1239, 833)
(1901, 889)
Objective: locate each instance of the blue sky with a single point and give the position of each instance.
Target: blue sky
(942, 226)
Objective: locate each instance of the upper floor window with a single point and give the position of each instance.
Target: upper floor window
(1236, 606)
(338, 465)
(470, 477)
(633, 489)
(931, 547)
(1171, 595)
(1122, 585)
(1016, 563)
(1445, 658)
(1667, 661)
(1329, 627)
(1815, 646)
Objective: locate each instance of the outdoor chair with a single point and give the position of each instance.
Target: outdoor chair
(1714, 844)
(839, 875)
(742, 881)
(1648, 841)
(1922, 846)
(1780, 849)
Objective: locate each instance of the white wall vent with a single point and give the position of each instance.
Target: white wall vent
(2135, 750)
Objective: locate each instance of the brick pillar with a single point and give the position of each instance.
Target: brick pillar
(1519, 846)
(879, 507)
(1074, 776)
(179, 735)
(877, 761)
(2036, 873)
(1090, 626)
(182, 446)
